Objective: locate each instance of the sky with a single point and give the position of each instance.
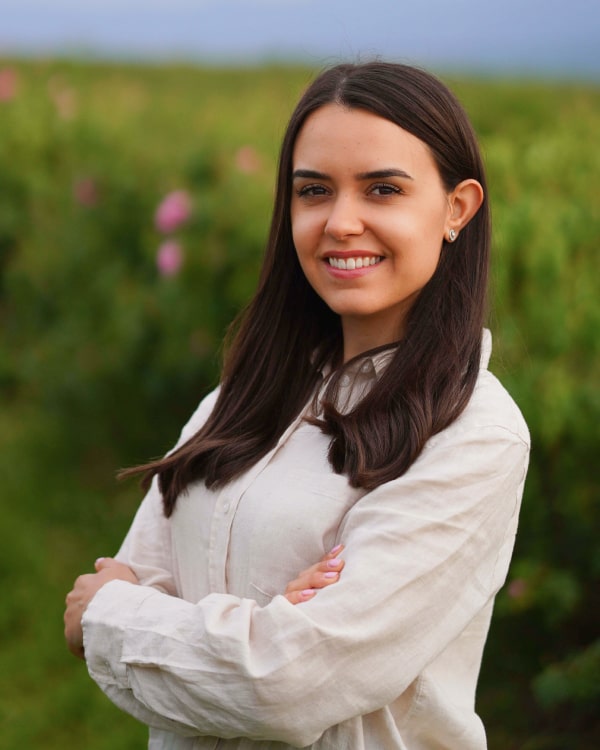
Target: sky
(532, 37)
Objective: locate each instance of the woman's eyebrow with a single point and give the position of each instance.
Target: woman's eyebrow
(381, 174)
(310, 174)
(377, 174)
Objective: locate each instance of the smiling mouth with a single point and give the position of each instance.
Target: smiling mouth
(349, 264)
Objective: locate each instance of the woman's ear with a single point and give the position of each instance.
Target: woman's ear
(463, 203)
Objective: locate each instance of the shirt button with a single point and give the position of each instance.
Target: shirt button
(345, 380)
(226, 508)
(366, 366)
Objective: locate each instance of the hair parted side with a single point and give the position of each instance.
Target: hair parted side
(281, 341)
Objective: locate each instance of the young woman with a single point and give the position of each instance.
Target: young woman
(355, 408)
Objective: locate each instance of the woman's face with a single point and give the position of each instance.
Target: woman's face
(369, 213)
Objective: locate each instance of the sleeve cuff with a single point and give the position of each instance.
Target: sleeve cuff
(105, 623)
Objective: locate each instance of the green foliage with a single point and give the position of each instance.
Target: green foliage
(103, 356)
(574, 680)
(87, 318)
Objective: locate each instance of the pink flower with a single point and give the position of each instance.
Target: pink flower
(174, 210)
(169, 258)
(517, 588)
(247, 160)
(85, 192)
(9, 84)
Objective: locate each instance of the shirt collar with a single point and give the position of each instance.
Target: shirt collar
(370, 367)
(379, 361)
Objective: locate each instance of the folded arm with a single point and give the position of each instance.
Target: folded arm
(424, 554)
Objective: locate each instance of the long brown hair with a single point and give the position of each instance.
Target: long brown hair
(286, 334)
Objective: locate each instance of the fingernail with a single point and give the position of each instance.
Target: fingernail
(307, 593)
(336, 549)
(99, 560)
(331, 575)
(334, 563)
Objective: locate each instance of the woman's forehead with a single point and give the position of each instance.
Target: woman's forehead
(335, 135)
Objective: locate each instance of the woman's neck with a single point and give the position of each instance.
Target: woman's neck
(361, 335)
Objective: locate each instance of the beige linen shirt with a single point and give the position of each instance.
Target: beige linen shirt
(208, 652)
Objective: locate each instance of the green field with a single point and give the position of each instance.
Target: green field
(102, 357)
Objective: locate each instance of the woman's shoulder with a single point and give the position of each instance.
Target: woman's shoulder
(491, 405)
(200, 415)
(490, 429)
(491, 411)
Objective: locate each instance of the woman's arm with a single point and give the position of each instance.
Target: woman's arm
(425, 554)
(301, 589)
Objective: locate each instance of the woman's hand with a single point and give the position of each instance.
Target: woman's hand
(323, 573)
(83, 591)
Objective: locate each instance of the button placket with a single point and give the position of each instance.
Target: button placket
(224, 513)
(219, 537)
(225, 508)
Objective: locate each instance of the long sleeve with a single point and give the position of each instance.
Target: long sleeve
(147, 547)
(425, 554)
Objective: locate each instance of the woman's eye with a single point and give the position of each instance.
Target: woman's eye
(384, 188)
(311, 191)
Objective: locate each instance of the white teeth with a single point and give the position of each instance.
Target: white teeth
(349, 264)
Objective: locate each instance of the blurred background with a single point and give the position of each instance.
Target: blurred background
(138, 147)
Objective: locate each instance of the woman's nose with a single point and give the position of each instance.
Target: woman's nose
(344, 219)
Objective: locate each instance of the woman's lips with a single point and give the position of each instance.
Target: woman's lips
(350, 266)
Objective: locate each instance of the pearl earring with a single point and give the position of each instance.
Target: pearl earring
(452, 235)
